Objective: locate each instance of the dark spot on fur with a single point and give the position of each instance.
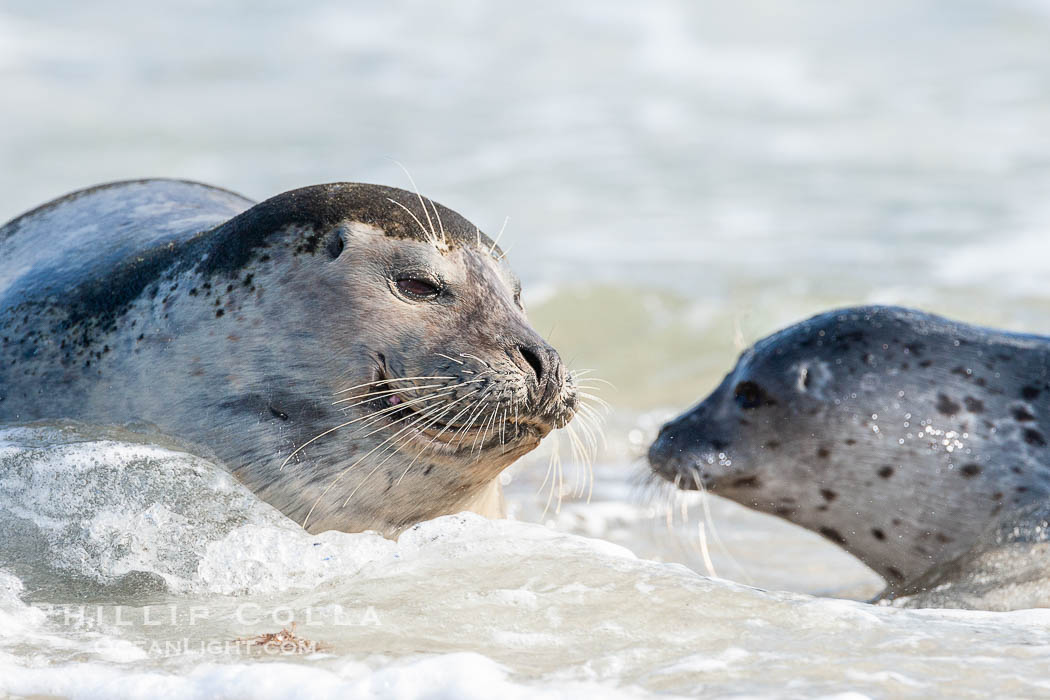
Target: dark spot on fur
(997, 496)
(823, 452)
(914, 349)
(1015, 470)
(1034, 437)
(942, 538)
(785, 511)
(219, 313)
(850, 441)
(878, 534)
(973, 405)
(278, 414)
(885, 472)
(1030, 393)
(970, 470)
(1022, 414)
(947, 407)
(750, 395)
(1021, 489)
(828, 495)
(894, 573)
(772, 445)
(746, 482)
(833, 535)
(719, 444)
(426, 472)
(925, 363)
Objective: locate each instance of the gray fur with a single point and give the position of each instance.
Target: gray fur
(903, 437)
(235, 327)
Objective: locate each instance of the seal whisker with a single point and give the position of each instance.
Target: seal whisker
(397, 447)
(432, 440)
(709, 519)
(383, 444)
(338, 427)
(474, 357)
(434, 416)
(579, 459)
(600, 401)
(460, 434)
(420, 223)
(376, 416)
(588, 416)
(374, 395)
(483, 432)
(499, 235)
(441, 354)
(421, 203)
(370, 396)
(441, 227)
(425, 409)
(419, 418)
(551, 471)
(387, 381)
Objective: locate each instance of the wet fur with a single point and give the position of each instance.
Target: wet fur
(235, 327)
(903, 437)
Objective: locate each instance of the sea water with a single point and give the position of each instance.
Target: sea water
(681, 178)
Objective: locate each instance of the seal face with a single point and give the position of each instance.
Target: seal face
(900, 436)
(356, 354)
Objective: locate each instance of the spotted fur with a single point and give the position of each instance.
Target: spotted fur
(900, 436)
(243, 329)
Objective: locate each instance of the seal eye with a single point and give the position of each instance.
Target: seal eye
(415, 287)
(749, 395)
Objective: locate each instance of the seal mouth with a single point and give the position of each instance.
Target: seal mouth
(472, 429)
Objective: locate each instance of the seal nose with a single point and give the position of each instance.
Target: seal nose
(547, 370)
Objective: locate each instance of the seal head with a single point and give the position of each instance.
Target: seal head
(358, 355)
(900, 436)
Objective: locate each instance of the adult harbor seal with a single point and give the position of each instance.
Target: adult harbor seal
(357, 355)
(916, 443)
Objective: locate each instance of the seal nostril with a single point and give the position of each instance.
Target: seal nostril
(533, 359)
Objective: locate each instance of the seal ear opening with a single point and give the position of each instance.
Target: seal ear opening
(335, 244)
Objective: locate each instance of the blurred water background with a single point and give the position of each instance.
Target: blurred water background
(681, 178)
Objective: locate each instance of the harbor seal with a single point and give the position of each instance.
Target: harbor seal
(918, 444)
(357, 355)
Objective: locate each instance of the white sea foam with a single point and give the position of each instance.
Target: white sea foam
(457, 607)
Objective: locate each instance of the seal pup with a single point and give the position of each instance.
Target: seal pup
(357, 355)
(912, 441)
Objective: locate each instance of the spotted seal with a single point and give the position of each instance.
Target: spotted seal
(918, 444)
(358, 355)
